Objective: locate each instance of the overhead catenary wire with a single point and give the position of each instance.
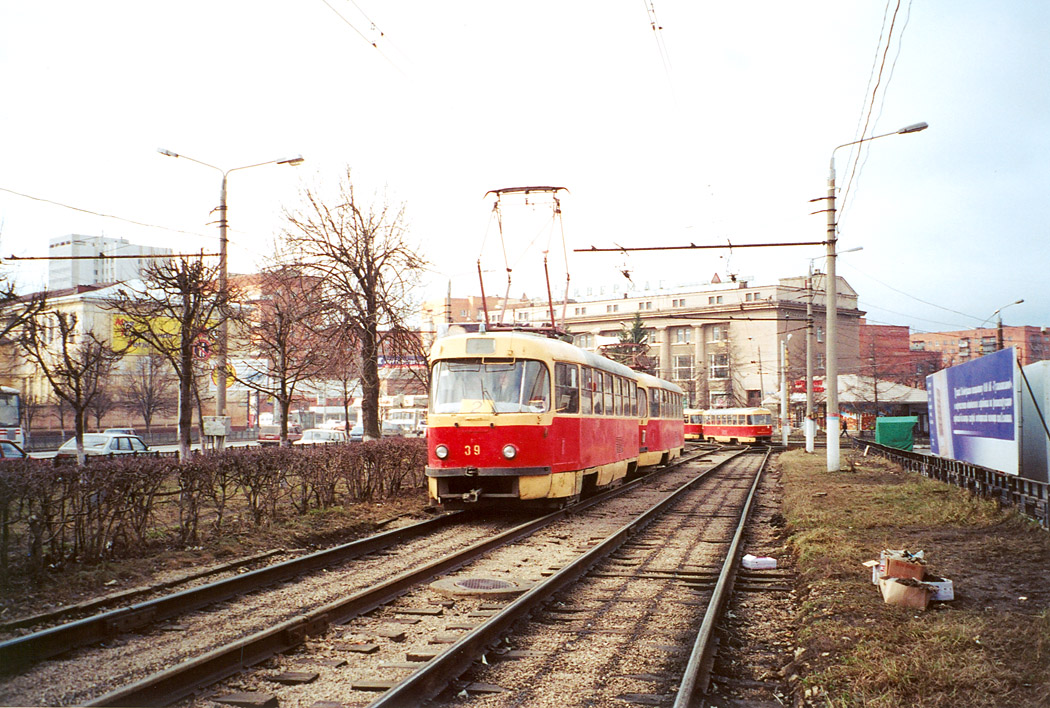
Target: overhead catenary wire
(361, 34)
(99, 214)
(871, 105)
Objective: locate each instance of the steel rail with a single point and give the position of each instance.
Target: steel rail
(16, 654)
(430, 679)
(695, 678)
(185, 679)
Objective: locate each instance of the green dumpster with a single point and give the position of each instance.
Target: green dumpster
(895, 432)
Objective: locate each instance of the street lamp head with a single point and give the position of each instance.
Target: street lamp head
(297, 160)
(913, 128)
(169, 153)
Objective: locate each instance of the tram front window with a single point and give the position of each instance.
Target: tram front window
(471, 386)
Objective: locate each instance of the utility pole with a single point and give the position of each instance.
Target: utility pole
(810, 424)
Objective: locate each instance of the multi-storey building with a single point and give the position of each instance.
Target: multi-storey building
(722, 342)
(1032, 343)
(92, 260)
(886, 354)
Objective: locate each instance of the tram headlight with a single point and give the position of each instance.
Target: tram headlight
(510, 452)
(441, 451)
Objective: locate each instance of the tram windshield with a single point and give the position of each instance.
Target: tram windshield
(473, 386)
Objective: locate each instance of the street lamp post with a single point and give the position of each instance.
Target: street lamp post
(831, 385)
(999, 323)
(221, 348)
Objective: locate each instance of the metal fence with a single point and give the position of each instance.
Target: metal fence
(1029, 497)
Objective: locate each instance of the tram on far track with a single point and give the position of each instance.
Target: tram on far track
(517, 418)
(694, 423)
(738, 425)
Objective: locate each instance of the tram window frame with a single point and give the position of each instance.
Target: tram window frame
(643, 403)
(634, 399)
(586, 390)
(567, 385)
(617, 396)
(609, 398)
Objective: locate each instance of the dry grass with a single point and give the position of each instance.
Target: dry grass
(988, 648)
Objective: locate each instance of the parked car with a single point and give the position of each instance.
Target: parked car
(103, 444)
(389, 431)
(319, 436)
(119, 431)
(11, 451)
(271, 434)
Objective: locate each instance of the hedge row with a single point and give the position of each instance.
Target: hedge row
(116, 507)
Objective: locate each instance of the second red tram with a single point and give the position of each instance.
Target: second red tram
(518, 418)
(738, 425)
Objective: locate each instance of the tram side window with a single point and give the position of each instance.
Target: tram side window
(609, 394)
(586, 384)
(566, 388)
(654, 403)
(634, 399)
(621, 386)
(599, 398)
(643, 404)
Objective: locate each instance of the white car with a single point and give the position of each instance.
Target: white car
(320, 436)
(103, 444)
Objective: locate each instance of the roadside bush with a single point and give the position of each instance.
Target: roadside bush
(116, 507)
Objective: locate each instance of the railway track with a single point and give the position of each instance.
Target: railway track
(199, 645)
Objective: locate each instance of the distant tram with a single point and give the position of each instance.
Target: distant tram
(694, 424)
(738, 425)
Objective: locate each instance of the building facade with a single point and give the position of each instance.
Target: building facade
(721, 343)
(93, 260)
(1031, 343)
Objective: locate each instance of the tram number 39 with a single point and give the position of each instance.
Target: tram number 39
(469, 450)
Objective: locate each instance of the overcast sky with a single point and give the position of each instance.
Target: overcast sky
(716, 128)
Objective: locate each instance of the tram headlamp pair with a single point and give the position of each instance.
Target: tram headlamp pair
(509, 452)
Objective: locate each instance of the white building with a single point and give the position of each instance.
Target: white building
(92, 260)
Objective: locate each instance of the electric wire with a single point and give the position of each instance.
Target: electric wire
(871, 103)
(866, 149)
(661, 46)
(104, 216)
(362, 36)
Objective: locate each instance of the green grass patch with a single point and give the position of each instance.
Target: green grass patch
(989, 648)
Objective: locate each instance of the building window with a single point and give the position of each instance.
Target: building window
(820, 334)
(717, 367)
(584, 341)
(987, 345)
(612, 308)
(820, 360)
(682, 335)
(645, 305)
(580, 311)
(683, 368)
(719, 333)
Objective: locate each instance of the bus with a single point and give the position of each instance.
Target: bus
(11, 416)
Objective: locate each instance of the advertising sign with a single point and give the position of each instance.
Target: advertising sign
(974, 412)
(166, 328)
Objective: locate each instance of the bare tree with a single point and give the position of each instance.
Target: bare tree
(16, 310)
(285, 329)
(175, 314)
(149, 388)
(359, 251)
(103, 402)
(74, 362)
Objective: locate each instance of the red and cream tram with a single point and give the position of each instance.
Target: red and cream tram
(520, 418)
(738, 425)
(694, 424)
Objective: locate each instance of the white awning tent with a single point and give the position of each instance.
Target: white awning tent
(854, 389)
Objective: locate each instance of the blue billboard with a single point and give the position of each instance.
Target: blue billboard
(974, 412)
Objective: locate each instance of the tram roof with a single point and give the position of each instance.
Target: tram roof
(554, 348)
